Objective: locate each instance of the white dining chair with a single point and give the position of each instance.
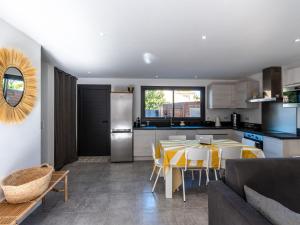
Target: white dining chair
(193, 155)
(232, 152)
(248, 142)
(178, 137)
(204, 138)
(201, 136)
(158, 163)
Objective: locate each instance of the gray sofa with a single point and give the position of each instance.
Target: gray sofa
(278, 179)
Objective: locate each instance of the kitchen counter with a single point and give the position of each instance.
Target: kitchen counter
(273, 134)
(182, 128)
(278, 135)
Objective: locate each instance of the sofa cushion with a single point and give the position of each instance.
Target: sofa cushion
(278, 179)
(275, 212)
(225, 207)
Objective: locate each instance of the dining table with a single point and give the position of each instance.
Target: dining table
(172, 153)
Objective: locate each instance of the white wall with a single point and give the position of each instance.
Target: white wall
(47, 96)
(122, 84)
(21, 143)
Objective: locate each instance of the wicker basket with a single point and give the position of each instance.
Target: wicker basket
(26, 185)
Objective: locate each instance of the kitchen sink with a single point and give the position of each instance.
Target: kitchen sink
(149, 127)
(186, 127)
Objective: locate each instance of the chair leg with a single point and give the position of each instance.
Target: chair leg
(193, 178)
(154, 167)
(207, 176)
(183, 184)
(216, 174)
(200, 174)
(156, 179)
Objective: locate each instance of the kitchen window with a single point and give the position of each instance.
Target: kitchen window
(179, 103)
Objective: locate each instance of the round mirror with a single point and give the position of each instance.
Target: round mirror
(13, 86)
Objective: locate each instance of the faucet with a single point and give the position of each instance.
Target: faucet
(171, 121)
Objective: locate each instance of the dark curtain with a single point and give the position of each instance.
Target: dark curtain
(65, 119)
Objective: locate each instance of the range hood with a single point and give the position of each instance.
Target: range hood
(272, 86)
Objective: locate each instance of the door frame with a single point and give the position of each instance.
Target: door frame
(79, 113)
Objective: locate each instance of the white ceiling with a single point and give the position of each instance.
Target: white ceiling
(242, 36)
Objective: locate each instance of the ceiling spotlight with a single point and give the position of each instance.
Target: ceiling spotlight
(203, 37)
(297, 40)
(148, 58)
(102, 34)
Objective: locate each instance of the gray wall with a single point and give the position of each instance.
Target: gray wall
(276, 117)
(122, 84)
(47, 83)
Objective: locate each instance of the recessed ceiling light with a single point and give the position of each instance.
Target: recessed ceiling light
(148, 58)
(89, 72)
(297, 40)
(156, 76)
(203, 37)
(102, 34)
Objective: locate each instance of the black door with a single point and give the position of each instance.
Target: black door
(94, 120)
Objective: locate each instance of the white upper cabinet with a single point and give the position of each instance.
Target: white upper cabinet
(232, 95)
(291, 77)
(243, 91)
(220, 95)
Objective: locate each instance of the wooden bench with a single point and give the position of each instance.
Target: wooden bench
(10, 214)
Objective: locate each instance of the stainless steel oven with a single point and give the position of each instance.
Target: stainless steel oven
(291, 96)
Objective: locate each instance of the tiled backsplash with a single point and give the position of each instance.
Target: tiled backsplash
(224, 114)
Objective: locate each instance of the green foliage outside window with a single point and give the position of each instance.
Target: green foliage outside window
(154, 99)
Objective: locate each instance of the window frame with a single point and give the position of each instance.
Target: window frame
(173, 88)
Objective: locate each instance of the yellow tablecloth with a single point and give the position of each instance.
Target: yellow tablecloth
(173, 154)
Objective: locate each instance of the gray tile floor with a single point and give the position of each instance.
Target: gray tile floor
(120, 194)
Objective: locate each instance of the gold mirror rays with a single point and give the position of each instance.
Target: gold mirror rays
(13, 58)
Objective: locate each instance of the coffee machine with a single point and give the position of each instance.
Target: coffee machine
(235, 119)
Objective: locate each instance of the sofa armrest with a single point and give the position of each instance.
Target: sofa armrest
(225, 207)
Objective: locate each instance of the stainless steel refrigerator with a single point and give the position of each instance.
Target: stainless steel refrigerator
(121, 127)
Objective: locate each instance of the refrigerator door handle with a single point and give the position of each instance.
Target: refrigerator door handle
(121, 131)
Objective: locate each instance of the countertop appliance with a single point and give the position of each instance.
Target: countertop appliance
(272, 86)
(121, 108)
(236, 119)
(256, 139)
(291, 96)
(218, 122)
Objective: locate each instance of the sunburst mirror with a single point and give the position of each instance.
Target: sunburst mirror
(18, 86)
